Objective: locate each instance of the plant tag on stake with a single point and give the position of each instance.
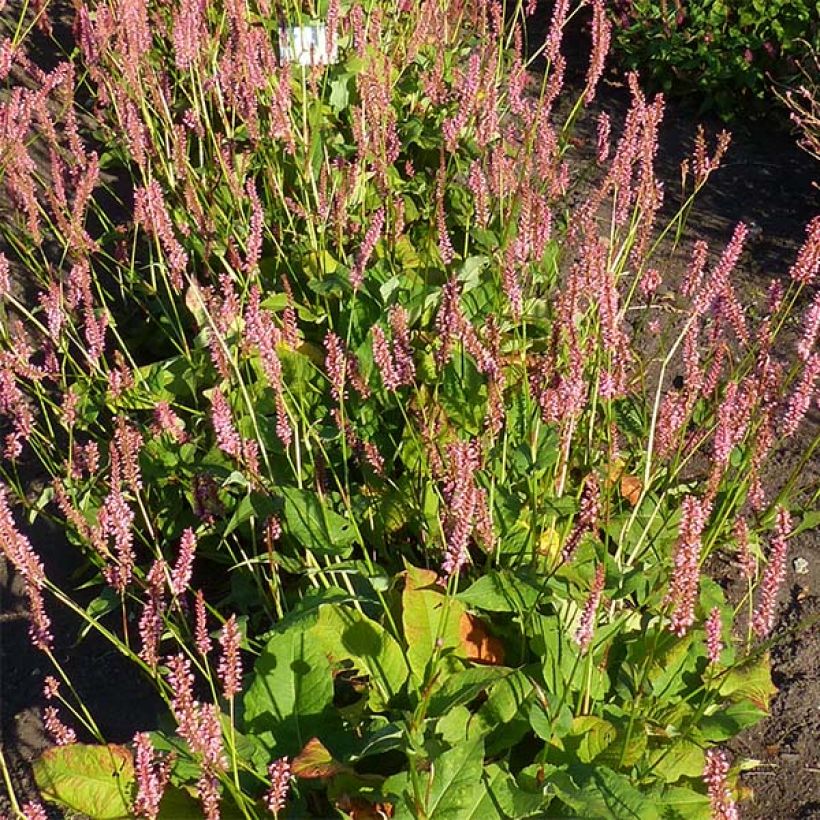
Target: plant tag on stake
(306, 45)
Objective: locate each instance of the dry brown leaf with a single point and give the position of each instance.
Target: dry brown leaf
(358, 809)
(478, 644)
(631, 488)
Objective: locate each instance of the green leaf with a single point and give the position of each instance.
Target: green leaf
(751, 680)
(501, 591)
(97, 781)
(289, 697)
(607, 794)
(314, 525)
(428, 616)
(178, 803)
(346, 634)
(729, 720)
(680, 758)
(503, 717)
(595, 735)
(463, 687)
(463, 394)
(680, 803)
(452, 782)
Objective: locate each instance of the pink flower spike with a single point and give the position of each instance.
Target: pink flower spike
(280, 775)
(181, 576)
(152, 777)
(230, 664)
(586, 627)
(720, 796)
(713, 627)
(773, 575)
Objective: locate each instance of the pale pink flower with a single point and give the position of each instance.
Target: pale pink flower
(181, 575)
(586, 626)
(601, 32)
(587, 519)
(227, 439)
(152, 774)
(280, 775)
(801, 397)
(808, 258)
(167, 421)
(683, 588)
(604, 130)
(230, 663)
(372, 236)
(34, 811)
(202, 637)
(152, 623)
(811, 328)
(61, 734)
(773, 575)
(713, 627)
(720, 796)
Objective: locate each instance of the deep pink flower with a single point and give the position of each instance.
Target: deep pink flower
(601, 32)
(808, 258)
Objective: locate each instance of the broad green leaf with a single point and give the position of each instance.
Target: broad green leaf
(463, 687)
(680, 803)
(177, 803)
(751, 680)
(607, 794)
(463, 394)
(450, 791)
(97, 781)
(314, 525)
(428, 616)
(680, 758)
(727, 721)
(595, 735)
(291, 691)
(346, 634)
(501, 591)
(498, 796)
(503, 717)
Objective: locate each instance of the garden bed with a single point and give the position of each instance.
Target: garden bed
(766, 182)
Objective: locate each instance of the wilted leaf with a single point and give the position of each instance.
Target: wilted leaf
(97, 781)
(315, 761)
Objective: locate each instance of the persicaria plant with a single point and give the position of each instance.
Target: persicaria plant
(396, 465)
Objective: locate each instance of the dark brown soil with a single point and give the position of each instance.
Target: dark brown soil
(767, 182)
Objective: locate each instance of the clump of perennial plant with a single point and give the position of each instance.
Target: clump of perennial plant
(353, 416)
